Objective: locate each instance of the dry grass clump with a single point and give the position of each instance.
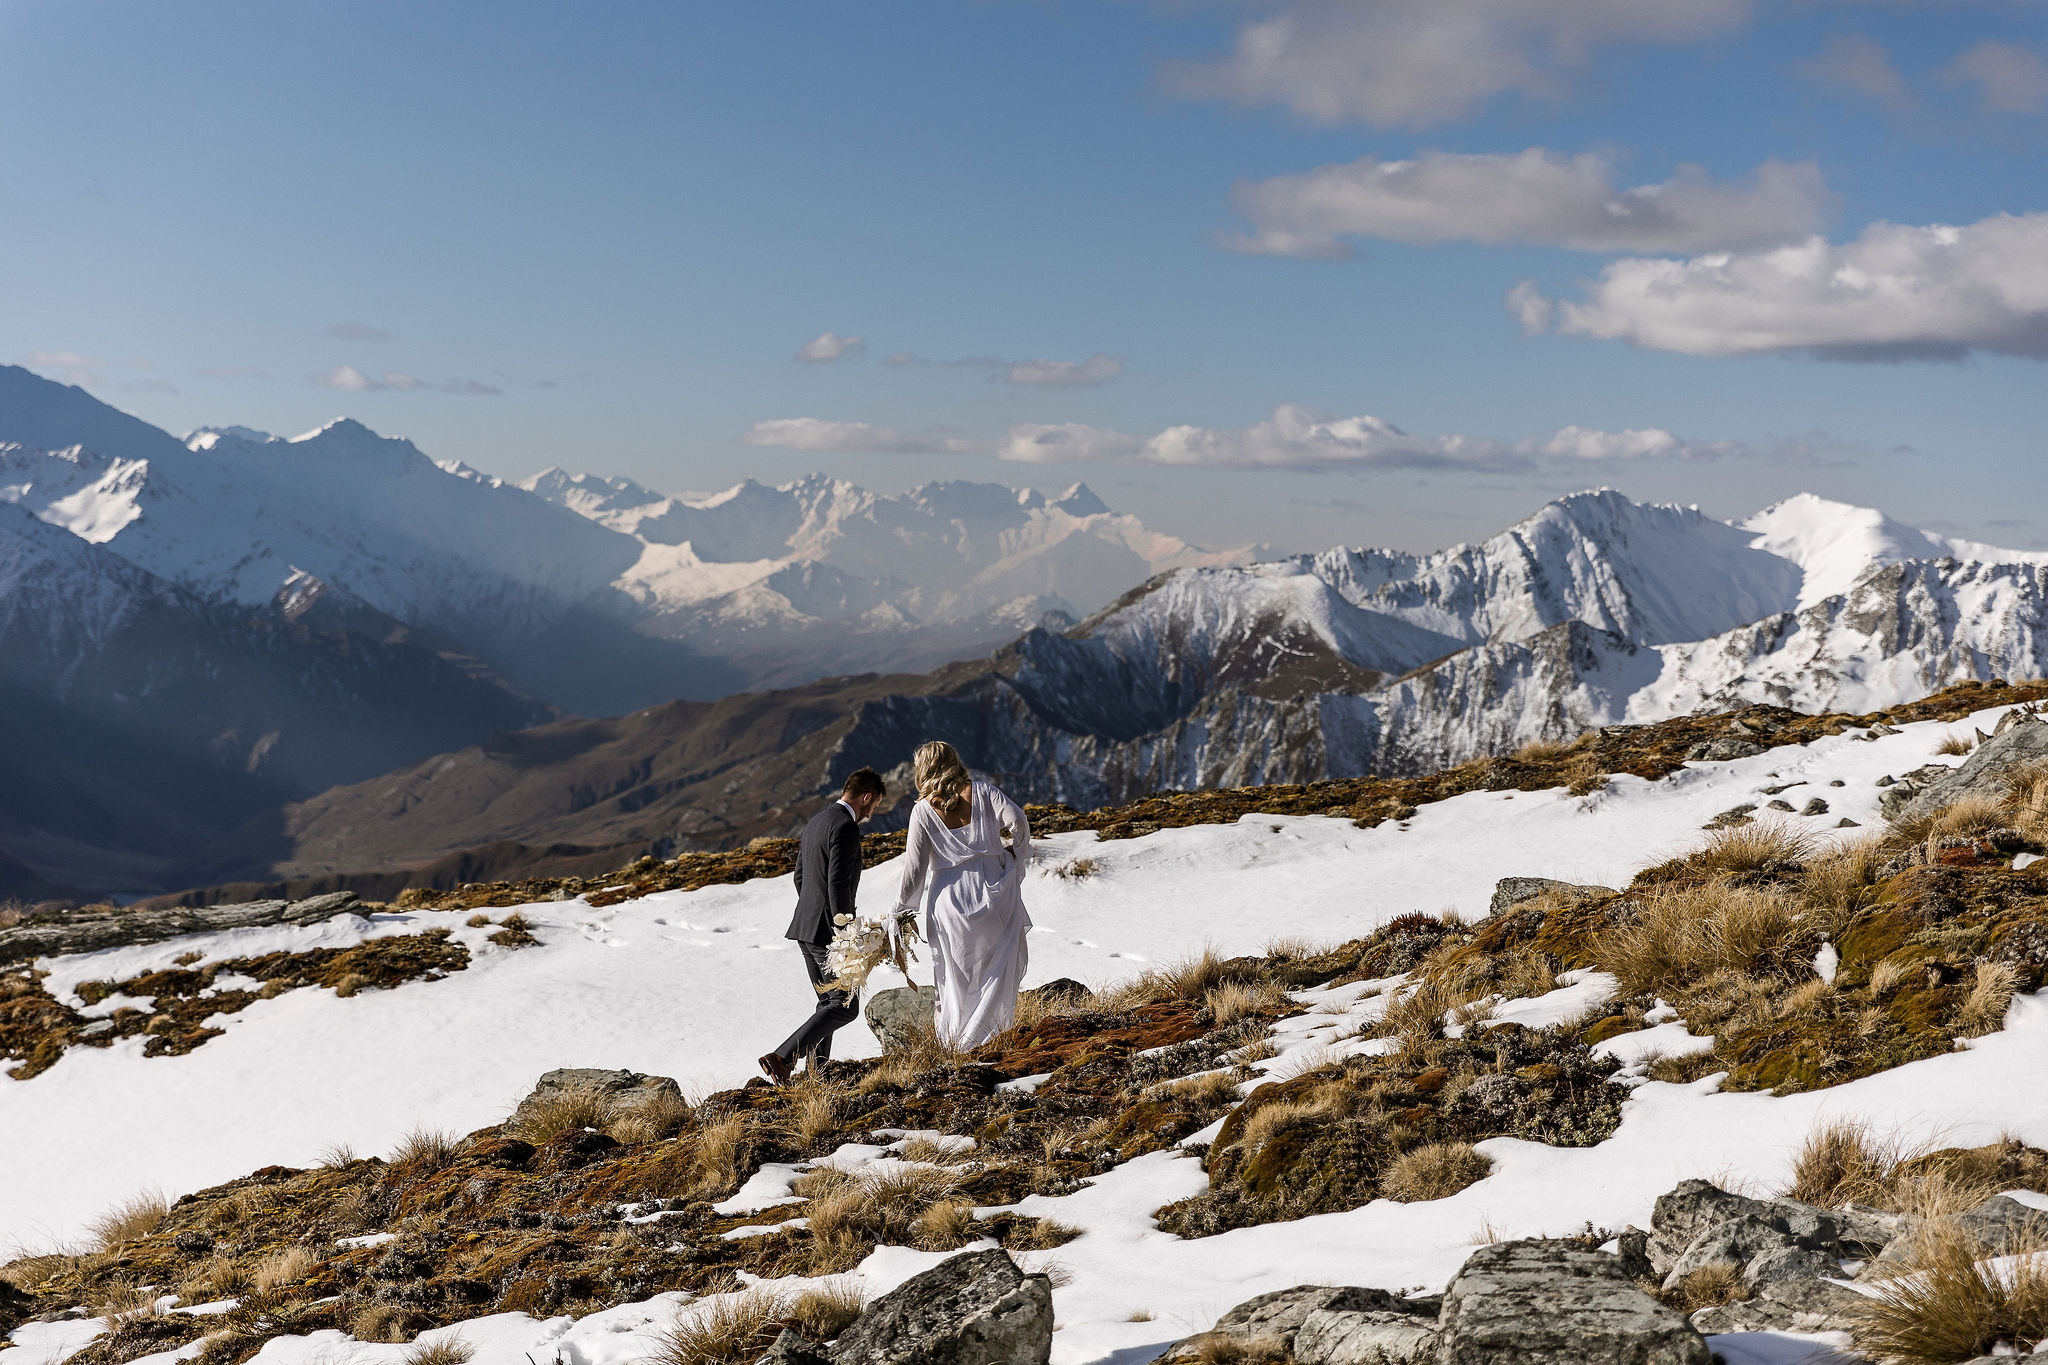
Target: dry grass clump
(446, 1351)
(426, 1149)
(1221, 1348)
(1753, 847)
(1684, 934)
(1955, 742)
(721, 1143)
(1189, 978)
(219, 1276)
(947, 1224)
(661, 1115)
(1836, 884)
(1845, 1160)
(1583, 775)
(1967, 818)
(732, 1329)
(1708, 1287)
(1077, 869)
(1435, 1171)
(26, 1272)
(1205, 1089)
(561, 1112)
(123, 1302)
(136, 1216)
(282, 1269)
(11, 913)
(1983, 1010)
(2026, 798)
(385, 1322)
(824, 1312)
(812, 1112)
(849, 1214)
(1043, 1234)
(1954, 1302)
(936, 1153)
(1541, 751)
(1235, 1000)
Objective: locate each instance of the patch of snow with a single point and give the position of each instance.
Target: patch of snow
(372, 1239)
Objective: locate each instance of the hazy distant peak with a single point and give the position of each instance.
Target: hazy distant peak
(206, 438)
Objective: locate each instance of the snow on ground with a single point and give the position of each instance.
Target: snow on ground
(696, 984)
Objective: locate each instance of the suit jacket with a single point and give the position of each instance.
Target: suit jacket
(827, 873)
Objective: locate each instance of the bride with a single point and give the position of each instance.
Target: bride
(972, 888)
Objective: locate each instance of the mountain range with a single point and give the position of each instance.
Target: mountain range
(233, 620)
(1596, 610)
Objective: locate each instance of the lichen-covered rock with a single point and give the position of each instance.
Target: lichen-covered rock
(1336, 1336)
(792, 1348)
(1865, 1231)
(976, 1308)
(1808, 1305)
(1509, 892)
(1735, 1242)
(899, 1014)
(1693, 1206)
(2003, 1224)
(55, 932)
(1558, 1303)
(1274, 1321)
(621, 1092)
(1722, 750)
(1984, 773)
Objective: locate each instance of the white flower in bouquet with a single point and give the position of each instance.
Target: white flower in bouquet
(860, 945)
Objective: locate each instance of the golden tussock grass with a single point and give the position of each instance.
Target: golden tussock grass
(561, 1112)
(1753, 847)
(936, 1153)
(26, 1272)
(1188, 978)
(1983, 1009)
(945, 1225)
(384, 1322)
(219, 1276)
(1836, 884)
(850, 1213)
(1686, 933)
(1235, 1000)
(136, 1216)
(1219, 1348)
(1542, 750)
(661, 1115)
(732, 1329)
(1203, 1090)
(1297, 947)
(282, 1269)
(444, 1351)
(1955, 742)
(2026, 798)
(824, 1312)
(1708, 1287)
(811, 1113)
(426, 1149)
(1848, 1160)
(1435, 1171)
(123, 1302)
(1952, 1304)
(720, 1144)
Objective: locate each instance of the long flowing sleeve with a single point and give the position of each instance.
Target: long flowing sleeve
(917, 862)
(1010, 816)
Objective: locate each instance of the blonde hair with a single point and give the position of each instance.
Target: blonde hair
(940, 775)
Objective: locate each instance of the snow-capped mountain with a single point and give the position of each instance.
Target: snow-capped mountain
(140, 722)
(595, 593)
(1594, 611)
(819, 576)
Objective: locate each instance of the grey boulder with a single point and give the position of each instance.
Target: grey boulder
(1512, 891)
(619, 1092)
(899, 1015)
(1558, 1303)
(792, 1348)
(2004, 1224)
(1984, 773)
(1735, 1242)
(976, 1308)
(1722, 750)
(1811, 1305)
(1336, 1336)
(53, 933)
(1275, 1318)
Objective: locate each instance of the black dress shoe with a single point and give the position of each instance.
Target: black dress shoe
(776, 1068)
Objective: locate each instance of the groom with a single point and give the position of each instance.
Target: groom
(827, 874)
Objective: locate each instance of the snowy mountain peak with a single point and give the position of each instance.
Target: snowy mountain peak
(206, 438)
(1080, 501)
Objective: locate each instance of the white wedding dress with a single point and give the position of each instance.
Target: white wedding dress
(972, 891)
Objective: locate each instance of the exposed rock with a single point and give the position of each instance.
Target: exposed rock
(1557, 1303)
(1064, 990)
(1276, 1317)
(1335, 1336)
(1696, 1205)
(793, 1349)
(1732, 817)
(1808, 1305)
(1864, 1231)
(976, 1308)
(1512, 891)
(1735, 1242)
(1815, 806)
(899, 1014)
(2003, 1223)
(53, 932)
(1722, 750)
(621, 1092)
(1779, 804)
(1789, 1263)
(1984, 772)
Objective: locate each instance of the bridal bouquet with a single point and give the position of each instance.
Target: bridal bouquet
(859, 945)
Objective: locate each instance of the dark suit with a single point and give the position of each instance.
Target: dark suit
(827, 875)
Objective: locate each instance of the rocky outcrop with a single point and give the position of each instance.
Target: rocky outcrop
(1983, 773)
(52, 933)
(618, 1093)
(792, 1348)
(1319, 1325)
(977, 1308)
(1509, 892)
(1558, 1303)
(1699, 1225)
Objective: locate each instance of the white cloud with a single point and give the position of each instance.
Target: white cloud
(1099, 368)
(1297, 438)
(1413, 63)
(1534, 196)
(817, 433)
(826, 347)
(2012, 80)
(1854, 62)
(349, 379)
(1894, 293)
(1530, 308)
(68, 367)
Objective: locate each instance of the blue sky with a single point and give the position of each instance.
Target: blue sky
(599, 236)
